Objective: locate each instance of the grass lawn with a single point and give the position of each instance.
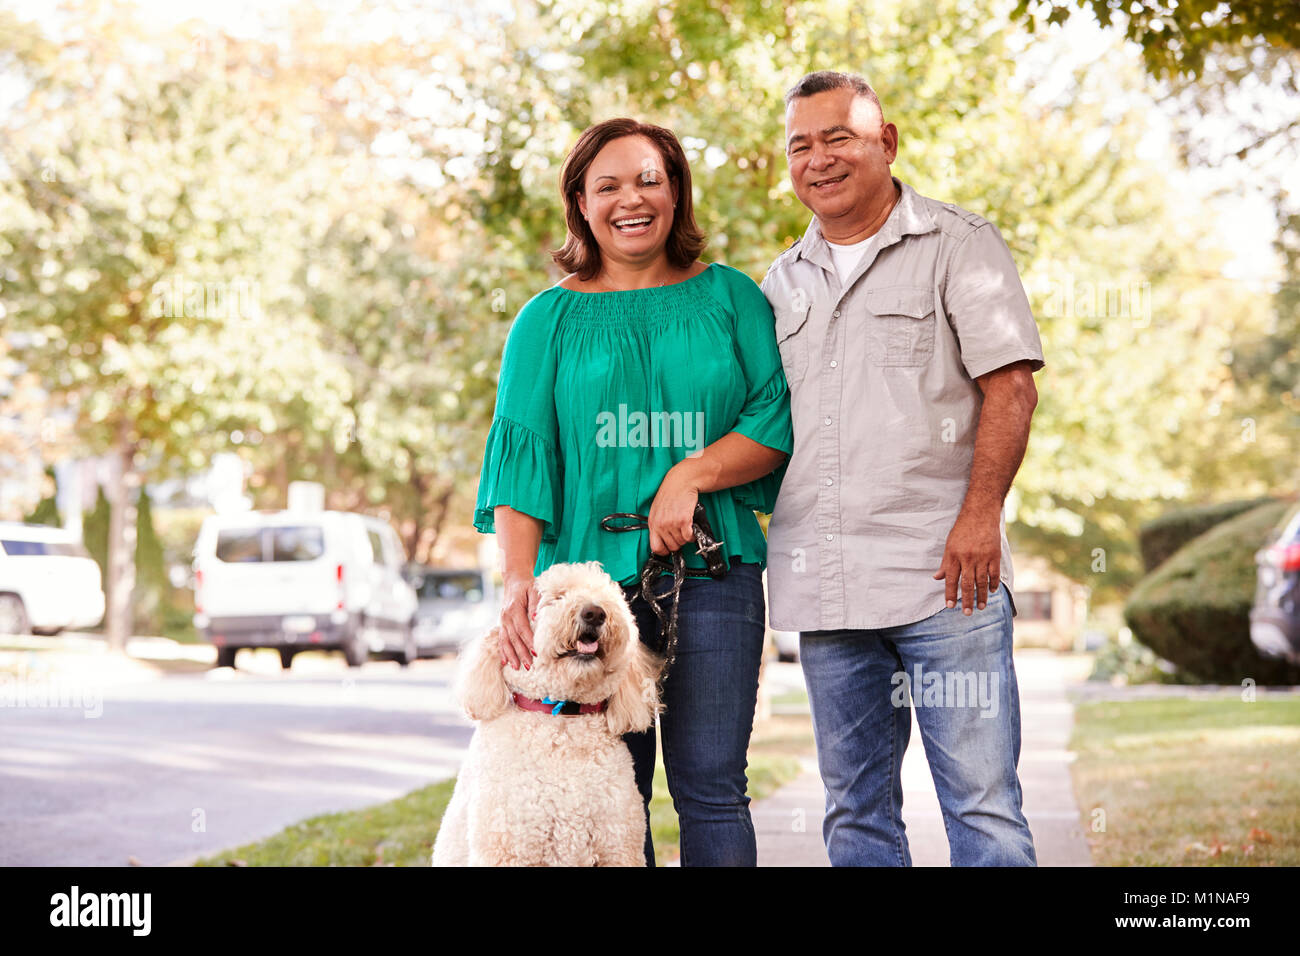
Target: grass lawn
(401, 832)
(1190, 782)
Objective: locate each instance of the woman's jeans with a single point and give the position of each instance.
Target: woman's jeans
(709, 699)
(956, 671)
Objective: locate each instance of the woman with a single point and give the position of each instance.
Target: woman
(644, 382)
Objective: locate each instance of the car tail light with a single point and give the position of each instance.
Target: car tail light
(1287, 556)
(198, 592)
(342, 592)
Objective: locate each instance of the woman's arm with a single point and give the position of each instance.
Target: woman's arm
(520, 536)
(730, 461)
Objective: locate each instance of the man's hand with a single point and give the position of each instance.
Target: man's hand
(972, 556)
(972, 559)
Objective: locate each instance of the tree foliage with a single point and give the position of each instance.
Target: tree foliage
(1177, 35)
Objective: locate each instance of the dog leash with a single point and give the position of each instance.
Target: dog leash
(674, 563)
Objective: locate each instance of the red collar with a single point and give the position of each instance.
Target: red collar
(563, 708)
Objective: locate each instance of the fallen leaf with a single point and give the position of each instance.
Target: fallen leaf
(1260, 836)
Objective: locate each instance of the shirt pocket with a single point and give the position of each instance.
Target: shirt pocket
(902, 321)
(792, 340)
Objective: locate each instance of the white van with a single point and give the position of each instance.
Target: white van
(296, 581)
(47, 580)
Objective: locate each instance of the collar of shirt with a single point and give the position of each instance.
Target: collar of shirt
(908, 218)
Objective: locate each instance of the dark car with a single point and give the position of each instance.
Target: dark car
(1275, 618)
(456, 605)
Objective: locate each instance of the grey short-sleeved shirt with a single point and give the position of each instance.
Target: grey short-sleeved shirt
(882, 371)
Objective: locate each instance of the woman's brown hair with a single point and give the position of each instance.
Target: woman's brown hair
(580, 252)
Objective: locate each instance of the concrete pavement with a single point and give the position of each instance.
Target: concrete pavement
(788, 823)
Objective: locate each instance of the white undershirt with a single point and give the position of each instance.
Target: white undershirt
(846, 258)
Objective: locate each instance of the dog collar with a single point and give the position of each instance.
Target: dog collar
(562, 708)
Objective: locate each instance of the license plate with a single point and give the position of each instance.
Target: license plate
(299, 624)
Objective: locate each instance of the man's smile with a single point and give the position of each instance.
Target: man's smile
(828, 183)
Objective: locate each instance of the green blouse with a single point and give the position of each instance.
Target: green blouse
(601, 393)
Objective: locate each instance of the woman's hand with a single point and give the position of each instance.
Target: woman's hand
(518, 608)
(673, 512)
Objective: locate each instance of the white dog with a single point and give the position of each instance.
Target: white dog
(539, 786)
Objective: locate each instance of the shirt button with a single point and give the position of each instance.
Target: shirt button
(837, 313)
(834, 364)
(828, 421)
(830, 481)
(830, 537)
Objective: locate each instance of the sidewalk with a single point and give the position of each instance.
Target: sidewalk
(788, 823)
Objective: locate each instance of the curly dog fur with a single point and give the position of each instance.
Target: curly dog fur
(538, 789)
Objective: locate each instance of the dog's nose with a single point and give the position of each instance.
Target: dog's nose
(593, 616)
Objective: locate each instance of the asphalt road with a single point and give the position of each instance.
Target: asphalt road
(182, 766)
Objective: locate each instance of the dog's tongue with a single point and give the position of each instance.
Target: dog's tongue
(588, 647)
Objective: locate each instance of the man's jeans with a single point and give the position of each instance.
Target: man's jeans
(963, 686)
(709, 699)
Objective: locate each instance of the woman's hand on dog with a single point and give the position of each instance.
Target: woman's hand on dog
(672, 514)
(518, 608)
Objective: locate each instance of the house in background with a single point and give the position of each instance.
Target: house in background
(1050, 607)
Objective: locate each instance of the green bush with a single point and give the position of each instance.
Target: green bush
(1194, 609)
(1160, 538)
(1135, 663)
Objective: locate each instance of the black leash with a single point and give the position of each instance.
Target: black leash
(675, 563)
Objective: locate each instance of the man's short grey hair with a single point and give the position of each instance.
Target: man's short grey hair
(824, 80)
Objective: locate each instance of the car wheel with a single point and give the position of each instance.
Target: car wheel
(13, 615)
(286, 657)
(226, 656)
(355, 650)
(410, 651)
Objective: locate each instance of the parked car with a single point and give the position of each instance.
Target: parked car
(1275, 618)
(787, 646)
(456, 606)
(47, 581)
(295, 581)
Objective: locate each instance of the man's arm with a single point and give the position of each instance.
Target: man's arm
(972, 555)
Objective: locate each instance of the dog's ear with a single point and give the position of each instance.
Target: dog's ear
(481, 683)
(633, 706)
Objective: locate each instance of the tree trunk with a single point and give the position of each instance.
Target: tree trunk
(123, 492)
(440, 514)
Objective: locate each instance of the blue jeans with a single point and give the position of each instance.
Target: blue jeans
(709, 699)
(961, 680)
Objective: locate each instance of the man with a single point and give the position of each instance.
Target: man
(910, 349)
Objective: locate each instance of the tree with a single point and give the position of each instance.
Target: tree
(1177, 35)
(145, 232)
